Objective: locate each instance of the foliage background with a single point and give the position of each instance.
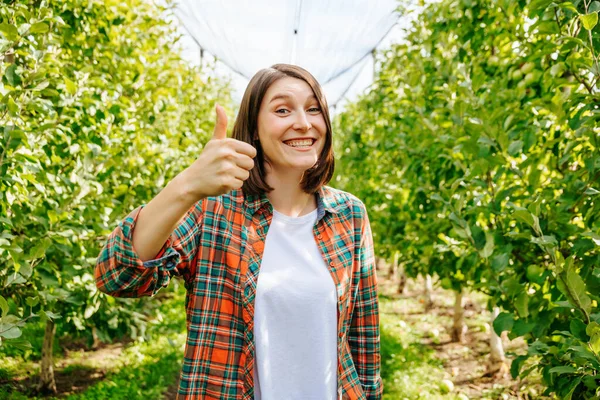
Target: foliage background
(97, 113)
(481, 135)
(476, 152)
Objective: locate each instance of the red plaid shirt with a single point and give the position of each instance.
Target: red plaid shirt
(217, 248)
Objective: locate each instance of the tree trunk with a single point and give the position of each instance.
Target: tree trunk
(459, 328)
(47, 383)
(97, 341)
(377, 264)
(497, 366)
(401, 278)
(393, 268)
(496, 348)
(428, 292)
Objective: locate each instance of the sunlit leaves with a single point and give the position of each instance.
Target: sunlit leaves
(491, 132)
(97, 112)
(589, 21)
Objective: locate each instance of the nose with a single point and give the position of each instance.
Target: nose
(302, 124)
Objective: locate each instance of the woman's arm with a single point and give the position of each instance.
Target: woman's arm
(158, 219)
(152, 243)
(161, 238)
(363, 336)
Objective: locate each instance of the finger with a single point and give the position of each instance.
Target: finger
(243, 148)
(244, 161)
(236, 183)
(241, 174)
(220, 131)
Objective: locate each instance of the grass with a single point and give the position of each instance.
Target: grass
(417, 357)
(146, 371)
(409, 368)
(140, 370)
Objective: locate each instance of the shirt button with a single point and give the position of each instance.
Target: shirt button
(319, 236)
(341, 334)
(332, 263)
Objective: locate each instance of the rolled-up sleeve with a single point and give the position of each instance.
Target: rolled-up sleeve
(120, 272)
(364, 333)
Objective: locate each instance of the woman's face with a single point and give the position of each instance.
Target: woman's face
(291, 127)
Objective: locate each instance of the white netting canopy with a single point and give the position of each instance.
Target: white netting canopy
(331, 39)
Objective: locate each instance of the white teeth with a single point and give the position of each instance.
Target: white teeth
(299, 143)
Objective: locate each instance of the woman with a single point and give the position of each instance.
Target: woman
(307, 325)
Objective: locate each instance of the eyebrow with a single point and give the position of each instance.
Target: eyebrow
(288, 97)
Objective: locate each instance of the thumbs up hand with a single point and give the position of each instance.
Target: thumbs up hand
(223, 165)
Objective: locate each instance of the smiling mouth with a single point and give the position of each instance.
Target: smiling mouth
(300, 143)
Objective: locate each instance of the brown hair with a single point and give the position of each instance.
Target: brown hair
(246, 125)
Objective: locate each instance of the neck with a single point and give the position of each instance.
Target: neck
(287, 195)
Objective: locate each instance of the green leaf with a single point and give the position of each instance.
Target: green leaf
(546, 240)
(9, 332)
(3, 306)
(9, 31)
(515, 366)
(521, 327)
(591, 191)
(515, 148)
(583, 353)
(51, 315)
(39, 250)
(538, 348)
(436, 196)
(488, 249)
(524, 216)
(478, 237)
(567, 5)
(594, 7)
(70, 85)
(32, 301)
(25, 271)
(503, 322)
(512, 287)
(499, 262)
(457, 220)
(570, 388)
(20, 344)
(534, 208)
(590, 20)
(593, 236)
(521, 304)
(593, 331)
(578, 328)
(563, 369)
(39, 27)
(14, 110)
(573, 287)
(11, 75)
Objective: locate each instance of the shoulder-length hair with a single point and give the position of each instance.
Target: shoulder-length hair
(246, 126)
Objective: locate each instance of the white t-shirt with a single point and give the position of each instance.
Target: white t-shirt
(295, 315)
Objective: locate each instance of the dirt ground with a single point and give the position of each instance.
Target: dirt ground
(467, 362)
(78, 370)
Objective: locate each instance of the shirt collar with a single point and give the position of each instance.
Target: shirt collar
(326, 201)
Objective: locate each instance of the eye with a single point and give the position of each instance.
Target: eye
(278, 111)
(314, 109)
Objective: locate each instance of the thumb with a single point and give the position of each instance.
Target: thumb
(220, 131)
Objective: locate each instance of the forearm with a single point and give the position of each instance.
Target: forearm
(159, 218)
